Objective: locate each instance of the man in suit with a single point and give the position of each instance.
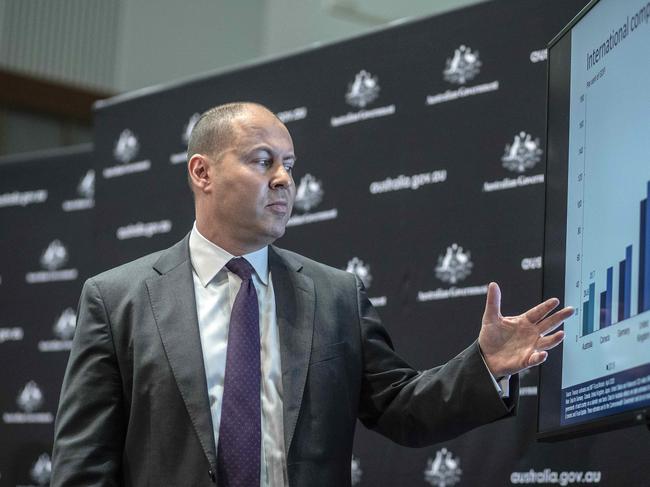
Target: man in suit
(167, 381)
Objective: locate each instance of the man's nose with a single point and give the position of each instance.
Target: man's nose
(281, 177)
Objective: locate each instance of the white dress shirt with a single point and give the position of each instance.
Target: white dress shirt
(215, 288)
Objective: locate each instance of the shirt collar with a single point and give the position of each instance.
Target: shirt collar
(208, 258)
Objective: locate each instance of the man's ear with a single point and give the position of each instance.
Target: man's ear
(198, 172)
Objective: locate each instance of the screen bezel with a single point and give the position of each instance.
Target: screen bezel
(557, 146)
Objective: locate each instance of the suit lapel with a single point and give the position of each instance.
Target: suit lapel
(294, 301)
(174, 309)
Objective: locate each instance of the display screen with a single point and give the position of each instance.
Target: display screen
(597, 244)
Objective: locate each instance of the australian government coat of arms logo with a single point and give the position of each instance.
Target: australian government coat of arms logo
(189, 126)
(309, 193)
(55, 256)
(125, 151)
(127, 147)
(444, 470)
(64, 327)
(524, 153)
(30, 398)
(181, 157)
(355, 471)
(41, 471)
(30, 401)
(463, 66)
(361, 270)
(363, 90)
(86, 187)
(86, 193)
(454, 265)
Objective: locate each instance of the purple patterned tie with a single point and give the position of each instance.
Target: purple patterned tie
(238, 451)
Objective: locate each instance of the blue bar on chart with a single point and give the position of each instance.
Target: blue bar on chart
(610, 294)
(592, 306)
(644, 260)
(606, 301)
(603, 310)
(622, 266)
(627, 291)
(588, 317)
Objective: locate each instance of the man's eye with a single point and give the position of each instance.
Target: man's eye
(288, 168)
(265, 162)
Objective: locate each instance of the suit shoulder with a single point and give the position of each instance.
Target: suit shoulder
(314, 268)
(134, 271)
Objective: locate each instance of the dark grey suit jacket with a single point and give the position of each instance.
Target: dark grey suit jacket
(134, 406)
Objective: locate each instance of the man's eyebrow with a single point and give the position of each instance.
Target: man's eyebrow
(266, 148)
(258, 148)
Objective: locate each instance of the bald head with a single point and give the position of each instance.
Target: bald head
(216, 128)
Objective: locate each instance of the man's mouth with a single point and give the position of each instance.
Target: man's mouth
(278, 206)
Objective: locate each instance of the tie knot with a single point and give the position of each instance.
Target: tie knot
(241, 267)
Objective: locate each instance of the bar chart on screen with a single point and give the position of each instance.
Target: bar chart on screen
(599, 309)
(607, 276)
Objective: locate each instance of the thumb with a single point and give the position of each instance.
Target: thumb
(493, 302)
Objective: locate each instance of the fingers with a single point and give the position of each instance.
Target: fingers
(552, 322)
(537, 358)
(493, 302)
(540, 355)
(541, 310)
(550, 341)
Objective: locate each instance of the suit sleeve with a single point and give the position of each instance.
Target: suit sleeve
(416, 408)
(90, 423)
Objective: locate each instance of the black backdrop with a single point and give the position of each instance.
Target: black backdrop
(420, 167)
(46, 215)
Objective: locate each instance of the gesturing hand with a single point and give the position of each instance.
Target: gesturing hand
(511, 344)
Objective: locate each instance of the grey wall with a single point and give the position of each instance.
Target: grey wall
(124, 45)
(290, 24)
(163, 40)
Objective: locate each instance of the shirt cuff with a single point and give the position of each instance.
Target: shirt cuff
(501, 384)
(504, 385)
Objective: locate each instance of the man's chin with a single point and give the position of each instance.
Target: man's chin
(279, 233)
(274, 233)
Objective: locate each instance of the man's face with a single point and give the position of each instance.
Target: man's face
(252, 189)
